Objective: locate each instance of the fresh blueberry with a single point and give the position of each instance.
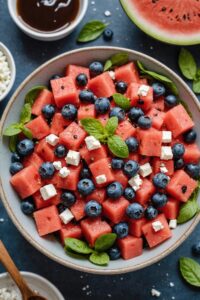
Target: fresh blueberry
(86, 96)
(129, 193)
(15, 157)
(60, 151)
(121, 87)
(68, 198)
(69, 112)
(93, 209)
(96, 68)
(178, 150)
(46, 170)
(171, 101)
(159, 200)
(15, 167)
(144, 122)
(61, 207)
(190, 136)
(108, 34)
(196, 249)
(48, 111)
(25, 147)
(27, 206)
(55, 76)
(178, 164)
(132, 144)
(102, 105)
(160, 180)
(117, 163)
(114, 190)
(135, 211)
(81, 80)
(158, 90)
(85, 186)
(121, 230)
(151, 212)
(85, 173)
(131, 168)
(114, 253)
(118, 112)
(193, 170)
(135, 113)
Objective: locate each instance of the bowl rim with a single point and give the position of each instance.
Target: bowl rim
(27, 236)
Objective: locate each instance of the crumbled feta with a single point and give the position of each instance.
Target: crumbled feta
(101, 179)
(64, 172)
(107, 13)
(66, 216)
(143, 90)
(166, 136)
(135, 182)
(163, 168)
(166, 153)
(48, 191)
(10, 293)
(73, 158)
(112, 74)
(57, 165)
(173, 224)
(5, 73)
(92, 143)
(145, 170)
(52, 139)
(155, 293)
(157, 226)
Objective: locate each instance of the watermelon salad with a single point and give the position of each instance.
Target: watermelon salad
(106, 160)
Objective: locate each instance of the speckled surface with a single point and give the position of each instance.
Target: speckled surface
(74, 285)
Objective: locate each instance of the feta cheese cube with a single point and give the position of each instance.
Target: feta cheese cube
(64, 172)
(157, 226)
(66, 216)
(48, 191)
(112, 74)
(166, 136)
(135, 182)
(92, 143)
(143, 90)
(166, 153)
(57, 165)
(173, 224)
(101, 179)
(73, 158)
(155, 293)
(52, 139)
(145, 170)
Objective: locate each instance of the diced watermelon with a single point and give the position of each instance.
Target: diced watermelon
(145, 102)
(70, 230)
(78, 209)
(71, 181)
(125, 129)
(98, 195)
(86, 111)
(73, 136)
(171, 209)
(145, 192)
(159, 104)
(102, 167)
(38, 127)
(45, 97)
(45, 151)
(58, 124)
(73, 71)
(121, 178)
(103, 118)
(127, 73)
(192, 153)
(143, 159)
(32, 159)
(157, 118)
(102, 85)
(150, 142)
(143, 81)
(115, 209)
(157, 163)
(135, 227)
(133, 156)
(40, 203)
(93, 155)
(130, 247)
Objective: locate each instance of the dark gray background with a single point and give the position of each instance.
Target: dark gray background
(29, 54)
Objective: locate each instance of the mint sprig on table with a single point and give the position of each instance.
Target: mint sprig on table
(91, 31)
(107, 135)
(116, 60)
(190, 270)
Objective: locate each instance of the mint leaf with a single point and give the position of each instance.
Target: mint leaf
(33, 93)
(105, 241)
(111, 125)
(25, 115)
(187, 64)
(12, 143)
(74, 254)
(91, 31)
(196, 85)
(12, 129)
(190, 270)
(108, 65)
(118, 147)
(78, 246)
(95, 128)
(116, 60)
(100, 259)
(121, 101)
(26, 131)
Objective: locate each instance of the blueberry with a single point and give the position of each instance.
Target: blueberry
(129, 193)
(81, 80)
(69, 112)
(144, 122)
(102, 105)
(193, 170)
(178, 164)
(15, 157)
(93, 209)
(131, 168)
(135, 113)
(117, 163)
(132, 144)
(118, 112)
(15, 167)
(135, 211)
(121, 230)
(159, 200)
(171, 101)
(55, 76)
(86, 96)
(85, 186)
(61, 207)
(25, 147)
(190, 136)
(151, 212)
(60, 151)
(178, 150)
(160, 180)
(46, 170)
(96, 68)
(114, 190)
(48, 111)
(68, 198)
(85, 173)
(121, 87)
(27, 206)
(114, 253)
(158, 90)
(196, 249)
(107, 34)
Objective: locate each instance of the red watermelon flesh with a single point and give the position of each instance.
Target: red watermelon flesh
(102, 85)
(150, 142)
(135, 227)
(115, 210)
(144, 102)
(157, 163)
(73, 71)
(103, 118)
(40, 203)
(101, 167)
(45, 151)
(159, 104)
(130, 247)
(58, 124)
(78, 209)
(121, 178)
(98, 195)
(32, 159)
(145, 192)
(86, 111)
(73, 136)
(157, 118)
(38, 127)
(93, 155)
(71, 181)
(127, 73)
(45, 97)
(171, 209)
(70, 230)
(192, 153)
(125, 129)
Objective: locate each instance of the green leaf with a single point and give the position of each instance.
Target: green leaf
(12, 129)
(95, 128)
(26, 131)
(190, 270)
(108, 65)
(12, 143)
(121, 101)
(25, 115)
(71, 253)
(100, 259)
(91, 31)
(187, 64)
(116, 60)
(78, 246)
(105, 241)
(111, 125)
(33, 93)
(196, 85)
(185, 105)
(118, 147)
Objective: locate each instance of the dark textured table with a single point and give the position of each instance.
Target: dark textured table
(29, 54)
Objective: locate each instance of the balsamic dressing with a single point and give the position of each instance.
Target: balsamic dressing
(48, 15)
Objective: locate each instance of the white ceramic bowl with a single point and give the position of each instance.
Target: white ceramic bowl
(44, 287)
(45, 36)
(12, 67)
(49, 245)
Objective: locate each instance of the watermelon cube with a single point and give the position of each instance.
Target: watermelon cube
(70, 230)
(103, 119)
(171, 209)
(143, 81)
(73, 71)
(98, 195)
(45, 151)
(115, 210)
(157, 118)
(32, 159)
(45, 97)
(86, 111)
(93, 155)
(102, 167)
(144, 102)
(150, 142)
(192, 153)
(71, 181)
(73, 136)
(130, 247)
(125, 129)
(127, 73)
(40, 203)
(145, 192)
(157, 163)
(135, 227)
(121, 178)
(143, 159)
(102, 85)
(58, 124)
(159, 104)
(38, 127)
(78, 209)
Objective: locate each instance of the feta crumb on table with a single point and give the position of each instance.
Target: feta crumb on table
(155, 293)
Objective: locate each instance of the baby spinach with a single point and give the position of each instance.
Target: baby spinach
(190, 270)
(99, 258)
(116, 60)
(91, 31)
(105, 241)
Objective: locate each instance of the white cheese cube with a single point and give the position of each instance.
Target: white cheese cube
(166, 136)
(135, 182)
(64, 172)
(48, 191)
(143, 90)
(145, 170)
(163, 168)
(52, 139)
(173, 224)
(57, 165)
(66, 216)
(101, 179)
(112, 74)
(157, 226)
(92, 143)
(73, 158)
(166, 153)
(155, 293)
